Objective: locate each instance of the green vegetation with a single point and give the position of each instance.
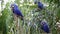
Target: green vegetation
(51, 13)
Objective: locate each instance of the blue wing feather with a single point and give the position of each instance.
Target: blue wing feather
(45, 26)
(18, 12)
(40, 5)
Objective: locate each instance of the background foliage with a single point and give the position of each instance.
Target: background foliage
(51, 13)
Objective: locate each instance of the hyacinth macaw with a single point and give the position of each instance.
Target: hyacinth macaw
(40, 5)
(45, 26)
(16, 11)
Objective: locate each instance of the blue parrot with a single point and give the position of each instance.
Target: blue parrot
(16, 11)
(40, 5)
(45, 26)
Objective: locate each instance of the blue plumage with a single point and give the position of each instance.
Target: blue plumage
(45, 26)
(40, 5)
(16, 10)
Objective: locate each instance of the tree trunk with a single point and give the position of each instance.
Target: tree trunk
(17, 26)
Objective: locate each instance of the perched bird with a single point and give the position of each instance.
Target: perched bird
(16, 11)
(40, 5)
(45, 26)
